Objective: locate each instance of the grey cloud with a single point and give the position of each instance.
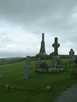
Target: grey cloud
(31, 10)
(53, 17)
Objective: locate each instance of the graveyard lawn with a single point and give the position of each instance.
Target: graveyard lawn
(39, 88)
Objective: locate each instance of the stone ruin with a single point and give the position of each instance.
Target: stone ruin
(55, 65)
(42, 48)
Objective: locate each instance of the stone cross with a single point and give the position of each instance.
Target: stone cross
(56, 46)
(71, 52)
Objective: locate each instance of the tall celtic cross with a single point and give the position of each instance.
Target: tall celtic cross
(56, 46)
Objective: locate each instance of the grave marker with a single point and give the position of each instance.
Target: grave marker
(27, 69)
(56, 46)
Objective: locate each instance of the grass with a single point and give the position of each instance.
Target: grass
(14, 88)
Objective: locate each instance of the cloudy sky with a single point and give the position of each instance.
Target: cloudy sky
(23, 21)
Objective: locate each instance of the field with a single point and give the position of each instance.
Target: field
(39, 88)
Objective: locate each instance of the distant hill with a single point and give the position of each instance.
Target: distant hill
(11, 60)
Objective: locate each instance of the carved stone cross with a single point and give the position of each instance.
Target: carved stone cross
(56, 46)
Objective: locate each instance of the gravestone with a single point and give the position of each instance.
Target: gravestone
(71, 52)
(72, 56)
(56, 60)
(41, 66)
(27, 69)
(56, 65)
(56, 46)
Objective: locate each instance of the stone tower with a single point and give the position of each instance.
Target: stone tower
(42, 49)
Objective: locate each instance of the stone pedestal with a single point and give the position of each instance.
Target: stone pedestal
(55, 66)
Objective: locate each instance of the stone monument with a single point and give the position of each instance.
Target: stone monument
(27, 69)
(42, 66)
(71, 52)
(72, 56)
(55, 65)
(56, 46)
(42, 49)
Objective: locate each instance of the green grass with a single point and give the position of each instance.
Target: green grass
(34, 89)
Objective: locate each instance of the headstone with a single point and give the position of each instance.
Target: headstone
(27, 69)
(56, 46)
(56, 60)
(72, 56)
(41, 66)
(71, 52)
(56, 65)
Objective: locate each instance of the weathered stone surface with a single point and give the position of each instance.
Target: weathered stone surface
(42, 49)
(71, 52)
(55, 65)
(42, 66)
(56, 46)
(27, 69)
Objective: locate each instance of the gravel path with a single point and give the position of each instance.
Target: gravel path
(70, 95)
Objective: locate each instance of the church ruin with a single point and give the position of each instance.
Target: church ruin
(55, 65)
(55, 45)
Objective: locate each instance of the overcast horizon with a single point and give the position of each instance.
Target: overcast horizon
(23, 21)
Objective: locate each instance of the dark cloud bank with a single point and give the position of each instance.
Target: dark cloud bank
(21, 19)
